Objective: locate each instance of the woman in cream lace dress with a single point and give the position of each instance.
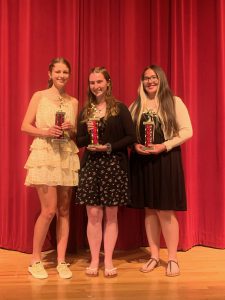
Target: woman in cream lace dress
(52, 166)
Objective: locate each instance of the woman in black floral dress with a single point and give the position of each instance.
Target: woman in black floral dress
(103, 181)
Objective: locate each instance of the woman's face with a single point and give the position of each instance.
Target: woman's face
(98, 84)
(59, 75)
(150, 82)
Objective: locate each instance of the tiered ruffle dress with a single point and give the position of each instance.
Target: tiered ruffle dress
(52, 163)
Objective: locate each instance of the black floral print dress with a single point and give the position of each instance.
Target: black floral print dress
(103, 178)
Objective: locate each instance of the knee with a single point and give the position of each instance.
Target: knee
(48, 214)
(63, 211)
(167, 216)
(94, 218)
(111, 217)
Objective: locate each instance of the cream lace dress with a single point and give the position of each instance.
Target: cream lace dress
(52, 163)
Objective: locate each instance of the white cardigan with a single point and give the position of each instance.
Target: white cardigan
(185, 131)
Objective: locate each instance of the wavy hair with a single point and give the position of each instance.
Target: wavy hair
(112, 108)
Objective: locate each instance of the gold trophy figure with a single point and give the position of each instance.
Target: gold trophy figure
(94, 131)
(149, 131)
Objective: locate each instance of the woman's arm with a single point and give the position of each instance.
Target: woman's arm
(184, 123)
(30, 117)
(129, 131)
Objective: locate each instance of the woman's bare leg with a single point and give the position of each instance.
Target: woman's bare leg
(94, 233)
(48, 200)
(63, 218)
(153, 231)
(110, 235)
(170, 230)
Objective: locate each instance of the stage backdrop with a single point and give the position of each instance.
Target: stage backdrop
(185, 37)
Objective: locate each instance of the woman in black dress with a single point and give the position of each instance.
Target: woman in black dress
(103, 180)
(157, 178)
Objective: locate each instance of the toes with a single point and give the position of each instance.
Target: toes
(150, 265)
(111, 272)
(172, 268)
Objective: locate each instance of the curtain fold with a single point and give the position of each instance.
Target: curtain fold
(186, 38)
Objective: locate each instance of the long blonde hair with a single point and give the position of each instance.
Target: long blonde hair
(165, 99)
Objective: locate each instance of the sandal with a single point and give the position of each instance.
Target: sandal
(110, 273)
(91, 272)
(169, 269)
(148, 268)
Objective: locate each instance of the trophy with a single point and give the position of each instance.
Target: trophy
(149, 131)
(59, 119)
(94, 130)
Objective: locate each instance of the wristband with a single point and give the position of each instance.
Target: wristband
(108, 148)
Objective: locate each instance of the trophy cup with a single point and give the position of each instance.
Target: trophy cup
(149, 132)
(94, 130)
(59, 119)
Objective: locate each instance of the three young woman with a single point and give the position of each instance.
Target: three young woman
(157, 179)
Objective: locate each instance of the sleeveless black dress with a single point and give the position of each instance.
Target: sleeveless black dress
(157, 181)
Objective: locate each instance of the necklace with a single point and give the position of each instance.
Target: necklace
(61, 102)
(101, 108)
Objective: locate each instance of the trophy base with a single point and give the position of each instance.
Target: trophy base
(60, 140)
(148, 148)
(92, 145)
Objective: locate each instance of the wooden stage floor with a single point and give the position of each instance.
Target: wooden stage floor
(202, 277)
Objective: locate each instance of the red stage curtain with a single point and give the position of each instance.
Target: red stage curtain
(185, 37)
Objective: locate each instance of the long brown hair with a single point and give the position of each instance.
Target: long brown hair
(166, 103)
(52, 64)
(112, 108)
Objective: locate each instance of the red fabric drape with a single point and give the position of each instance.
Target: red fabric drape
(182, 36)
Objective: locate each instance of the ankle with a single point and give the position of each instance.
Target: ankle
(173, 258)
(108, 264)
(156, 257)
(94, 263)
(61, 259)
(35, 260)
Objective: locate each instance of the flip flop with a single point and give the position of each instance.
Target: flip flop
(91, 272)
(110, 273)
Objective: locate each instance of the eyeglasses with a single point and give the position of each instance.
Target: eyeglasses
(152, 78)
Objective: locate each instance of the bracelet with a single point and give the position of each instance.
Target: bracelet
(108, 148)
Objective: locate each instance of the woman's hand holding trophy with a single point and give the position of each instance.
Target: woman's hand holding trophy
(92, 125)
